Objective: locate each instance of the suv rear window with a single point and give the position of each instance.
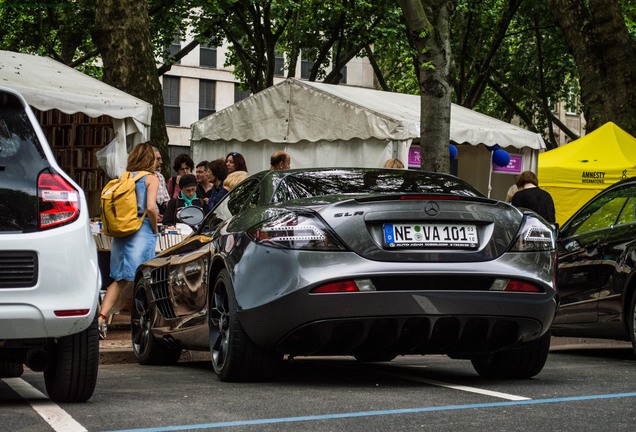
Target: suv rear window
(22, 158)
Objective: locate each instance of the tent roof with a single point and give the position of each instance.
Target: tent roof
(577, 171)
(606, 148)
(295, 110)
(47, 84)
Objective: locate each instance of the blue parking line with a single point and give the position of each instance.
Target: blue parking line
(257, 422)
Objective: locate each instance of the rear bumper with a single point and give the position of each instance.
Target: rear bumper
(277, 309)
(409, 322)
(68, 278)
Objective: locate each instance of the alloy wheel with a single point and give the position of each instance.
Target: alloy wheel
(140, 322)
(219, 326)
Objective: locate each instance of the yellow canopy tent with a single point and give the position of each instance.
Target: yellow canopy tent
(577, 171)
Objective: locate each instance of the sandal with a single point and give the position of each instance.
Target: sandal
(102, 328)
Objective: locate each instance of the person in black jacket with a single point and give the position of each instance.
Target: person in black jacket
(187, 197)
(531, 196)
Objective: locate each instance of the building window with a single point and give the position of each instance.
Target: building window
(173, 49)
(305, 67)
(343, 72)
(571, 103)
(207, 56)
(239, 94)
(207, 96)
(171, 100)
(279, 64)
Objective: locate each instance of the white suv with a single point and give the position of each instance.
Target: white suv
(49, 274)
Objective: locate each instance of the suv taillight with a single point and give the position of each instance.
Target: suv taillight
(59, 200)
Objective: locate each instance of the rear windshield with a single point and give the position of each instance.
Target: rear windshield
(369, 181)
(21, 160)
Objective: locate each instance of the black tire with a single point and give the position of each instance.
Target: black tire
(631, 322)
(72, 371)
(520, 363)
(146, 348)
(234, 356)
(10, 369)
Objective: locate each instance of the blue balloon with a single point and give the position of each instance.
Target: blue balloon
(501, 158)
(453, 151)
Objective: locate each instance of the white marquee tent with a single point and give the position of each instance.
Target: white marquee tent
(335, 125)
(47, 84)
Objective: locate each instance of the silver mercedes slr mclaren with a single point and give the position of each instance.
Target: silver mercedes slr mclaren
(371, 263)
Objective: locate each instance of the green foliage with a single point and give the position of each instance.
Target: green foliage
(629, 12)
(56, 28)
(495, 75)
(327, 33)
(514, 68)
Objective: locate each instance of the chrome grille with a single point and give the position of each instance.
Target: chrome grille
(160, 293)
(18, 269)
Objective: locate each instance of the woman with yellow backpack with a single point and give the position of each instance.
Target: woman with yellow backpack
(127, 252)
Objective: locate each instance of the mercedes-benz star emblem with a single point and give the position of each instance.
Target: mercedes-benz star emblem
(432, 208)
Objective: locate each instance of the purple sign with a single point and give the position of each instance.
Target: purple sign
(514, 167)
(414, 157)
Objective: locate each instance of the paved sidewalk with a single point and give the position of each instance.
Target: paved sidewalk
(117, 347)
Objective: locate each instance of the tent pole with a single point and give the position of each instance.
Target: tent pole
(490, 175)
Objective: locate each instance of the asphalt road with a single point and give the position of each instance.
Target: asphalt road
(584, 387)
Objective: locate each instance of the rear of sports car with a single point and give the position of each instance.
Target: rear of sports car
(49, 276)
(382, 275)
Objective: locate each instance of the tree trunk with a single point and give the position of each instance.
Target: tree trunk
(123, 37)
(605, 55)
(428, 26)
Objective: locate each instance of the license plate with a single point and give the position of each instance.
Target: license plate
(431, 235)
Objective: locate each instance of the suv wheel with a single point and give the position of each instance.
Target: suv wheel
(72, 373)
(10, 369)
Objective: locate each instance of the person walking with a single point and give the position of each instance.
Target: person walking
(530, 195)
(127, 253)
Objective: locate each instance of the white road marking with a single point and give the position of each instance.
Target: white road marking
(462, 388)
(55, 416)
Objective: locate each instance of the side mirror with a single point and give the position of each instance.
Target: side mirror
(192, 215)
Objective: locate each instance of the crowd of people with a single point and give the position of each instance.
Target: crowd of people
(205, 183)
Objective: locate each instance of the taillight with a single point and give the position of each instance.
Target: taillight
(346, 286)
(295, 231)
(72, 312)
(59, 200)
(336, 287)
(534, 235)
(512, 285)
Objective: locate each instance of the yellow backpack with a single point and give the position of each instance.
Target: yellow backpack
(119, 206)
